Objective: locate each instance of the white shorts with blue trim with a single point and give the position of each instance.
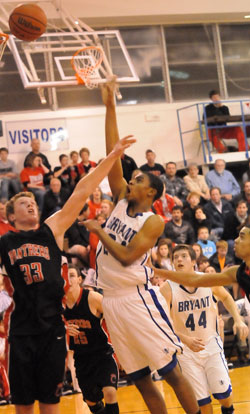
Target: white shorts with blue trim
(207, 371)
(141, 330)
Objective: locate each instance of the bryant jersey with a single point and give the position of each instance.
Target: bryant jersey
(91, 338)
(111, 274)
(38, 273)
(243, 278)
(194, 314)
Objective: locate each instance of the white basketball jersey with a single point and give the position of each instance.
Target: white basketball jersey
(111, 274)
(194, 314)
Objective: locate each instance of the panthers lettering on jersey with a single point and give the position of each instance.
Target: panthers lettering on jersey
(194, 312)
(122, 228)
(38, 273)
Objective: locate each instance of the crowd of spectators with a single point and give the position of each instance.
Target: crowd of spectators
(204, 211)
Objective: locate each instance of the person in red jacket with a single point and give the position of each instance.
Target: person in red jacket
(32, 178)
(164, 206)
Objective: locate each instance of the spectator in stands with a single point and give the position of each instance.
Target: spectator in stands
(67, 174)
(233, 222)
(94, 239)
(78, 239)
(224, 179)
(178, 230)
(221, 258)
(175, 186)
(152, 166)
(4, 224)
(128, 166)
(74, 158)
(105, 187)
(164, 206)
(94, 203)
(216, 211)
(161, 255)
(216, 108)
(202, 263)
(200, 219)
(246, 174)
(198, 250)
(35, 150)
(196, 182)
(106, 207)
(8, 175)
(85, 165)
(208, 246)
(54, 198)
(32, 178)
(193, 200)
(244, 195)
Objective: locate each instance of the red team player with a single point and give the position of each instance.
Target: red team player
(32, 259)
(95, 365)
(140, 328)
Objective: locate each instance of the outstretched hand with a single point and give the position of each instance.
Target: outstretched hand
(122, 144)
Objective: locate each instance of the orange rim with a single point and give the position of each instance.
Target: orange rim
(89, 70)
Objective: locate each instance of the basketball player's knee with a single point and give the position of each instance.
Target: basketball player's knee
(98, 408)
(227, 410)
(109, 395)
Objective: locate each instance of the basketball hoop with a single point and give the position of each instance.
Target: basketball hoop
(85, 63)
(3, 41)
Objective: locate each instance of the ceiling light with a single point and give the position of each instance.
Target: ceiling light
(247, 16)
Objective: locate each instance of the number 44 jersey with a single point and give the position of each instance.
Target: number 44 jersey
(38, 273)
(194, 311)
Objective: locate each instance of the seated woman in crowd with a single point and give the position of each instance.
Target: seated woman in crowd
(32, 178)
(196, 182)
(161, 255)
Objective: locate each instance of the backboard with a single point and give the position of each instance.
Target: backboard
(46, 62)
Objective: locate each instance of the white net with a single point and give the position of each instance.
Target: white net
(85, 63)
(3, 41)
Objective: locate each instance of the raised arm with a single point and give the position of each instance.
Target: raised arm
(200, 279)
(144, 240)
(116, 181)
(63, 219)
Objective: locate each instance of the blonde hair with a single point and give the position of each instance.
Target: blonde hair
(222, 243)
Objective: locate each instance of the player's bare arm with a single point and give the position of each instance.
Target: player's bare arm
(144, 240)
(200, 280)
(95, 303)
(239, 326)
(63, 219)
(116, 181)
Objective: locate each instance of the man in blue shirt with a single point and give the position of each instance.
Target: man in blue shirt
(224, 179)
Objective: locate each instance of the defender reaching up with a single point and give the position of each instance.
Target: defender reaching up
(140, 328)
(32, 257)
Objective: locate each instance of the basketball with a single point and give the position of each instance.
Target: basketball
(27, 22)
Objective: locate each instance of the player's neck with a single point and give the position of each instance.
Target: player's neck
(72, 296)
(26, 226)
(140, 207)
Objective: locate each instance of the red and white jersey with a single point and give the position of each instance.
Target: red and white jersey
(194, 311)
(111, 274)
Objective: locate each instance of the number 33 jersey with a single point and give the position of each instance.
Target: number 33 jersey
(38, 273)
(194, 314)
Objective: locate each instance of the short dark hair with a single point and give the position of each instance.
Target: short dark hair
(149, 150)
(156, 184)
(213, 92)
(72, 266)
(185, 247)
(170, 162)
(177, 208)
(241, 202)
(4, 149)
(202, 259)
(84, 149)
(62, 156)
(215, 188)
